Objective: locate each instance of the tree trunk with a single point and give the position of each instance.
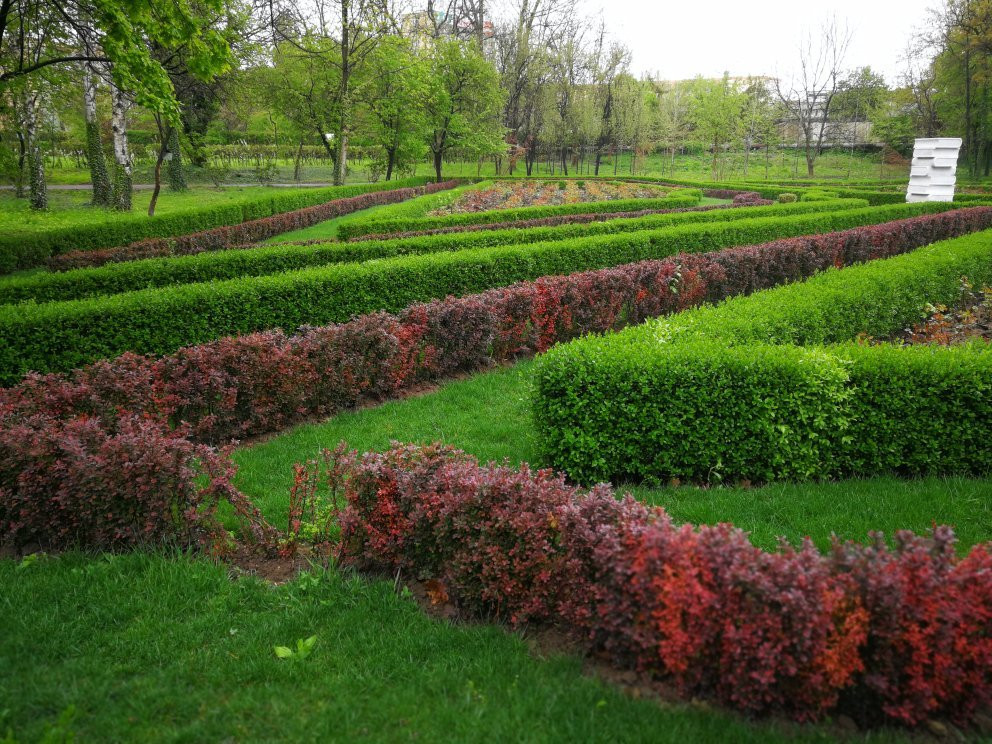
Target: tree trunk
(99, 176)
(599, 156)
(390, 162)
(165, 137)
(22, 160)
(438, 161)
(38, 194)
(177, 176)
(298, 163)
(123, 184)
(341, 164)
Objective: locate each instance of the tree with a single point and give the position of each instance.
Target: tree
(463, 102)
(716, 115)
(808, 95)
(40, 34)
(394, 95)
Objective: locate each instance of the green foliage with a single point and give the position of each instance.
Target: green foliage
(787, 198)
(63, 335)
(463, 102)
(752, 388)
(304, 647)
(159, 272)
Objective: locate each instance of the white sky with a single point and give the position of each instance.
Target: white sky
(684, 38)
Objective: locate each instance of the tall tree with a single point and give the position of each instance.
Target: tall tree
(808, 95)
(463, 103)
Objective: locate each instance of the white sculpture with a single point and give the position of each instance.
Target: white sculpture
(932, 176)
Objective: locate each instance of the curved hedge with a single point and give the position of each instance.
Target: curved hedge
(20, 251)
(772, 386)
(63, 335)
(680, 198)
(269, 259)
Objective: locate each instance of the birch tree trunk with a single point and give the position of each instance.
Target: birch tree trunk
(38, 187)
(177, 176)
(99, 176)
(123, 184)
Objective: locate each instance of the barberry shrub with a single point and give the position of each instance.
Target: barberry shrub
(884, 634)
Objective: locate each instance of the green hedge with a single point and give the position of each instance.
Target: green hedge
(21, 251)
(772, 386)
(675, 200)
(63, 335)
(160, 272)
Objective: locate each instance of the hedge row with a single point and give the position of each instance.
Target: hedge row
(566, 219)
(680, 198)
(250, 385)
(882, 635)
(746, 390)
(91, 459)
(20, 251)
(63, 335)
(262, 260)
(221, 238)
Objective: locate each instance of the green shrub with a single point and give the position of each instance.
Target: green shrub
(675, 200)
(26, 251)
(270, 259)
(787, 198)
(64, 335)
(771, 386)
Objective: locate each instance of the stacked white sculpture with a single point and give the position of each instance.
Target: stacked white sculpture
(935, 162)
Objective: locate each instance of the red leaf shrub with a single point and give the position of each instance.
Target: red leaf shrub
(929, 648)
(248, 385)
(73, 483)
(899, 635)
(243, 235)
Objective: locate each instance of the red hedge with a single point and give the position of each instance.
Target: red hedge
(897, 635)
(232, 236)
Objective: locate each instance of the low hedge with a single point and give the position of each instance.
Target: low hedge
(681, 198)
(20, 251)
(254, 384)
(221, 238)
(565, 219)
(229, 264)
(748, 390)
(63, 335)
(882, 635)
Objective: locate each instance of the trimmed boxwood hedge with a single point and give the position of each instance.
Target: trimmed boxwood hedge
(771, 386)
(19, 251)
(674, 200)
(63, 335)
(270, 259)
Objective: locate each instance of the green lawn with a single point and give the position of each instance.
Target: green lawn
(70, 208)
(155, 648)
(488, 415)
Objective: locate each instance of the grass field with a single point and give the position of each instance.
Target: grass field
(168, 648)
(71, 208)
(781, 165)
(488, 415)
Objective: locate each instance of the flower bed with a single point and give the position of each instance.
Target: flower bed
(513, 194)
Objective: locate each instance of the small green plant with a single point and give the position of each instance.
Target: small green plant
(304, 647)
(787, 198)
(562, 185)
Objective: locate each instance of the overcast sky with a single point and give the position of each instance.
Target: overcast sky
(680, 39)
